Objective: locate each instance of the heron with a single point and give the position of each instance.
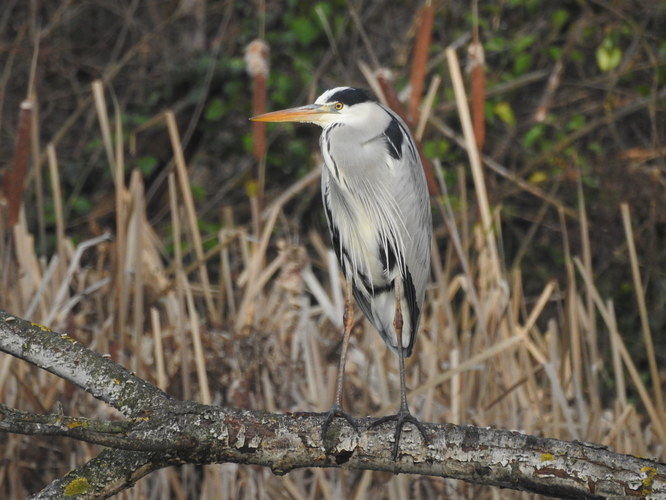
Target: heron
(378, 212)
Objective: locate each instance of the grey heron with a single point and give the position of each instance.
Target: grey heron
(378, 212)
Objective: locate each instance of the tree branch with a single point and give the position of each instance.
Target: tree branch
(109, 473)
(63, 356)
(163, 431)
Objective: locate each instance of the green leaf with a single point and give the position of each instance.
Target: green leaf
(495, 44)
(198, 192)
(576, 122)
(608, 55)
(251, 188)
(435, 149)
(146, 164)
(305, 30)
(324, 8)
(505, 113)
(81, 205)
(214, 110)
(560, 17)
(248, 143)
(533, 135)
(522, 63)
(554, 52)
(538, 177)
(524, 42)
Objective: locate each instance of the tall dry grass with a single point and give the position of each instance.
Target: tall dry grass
(255, 322)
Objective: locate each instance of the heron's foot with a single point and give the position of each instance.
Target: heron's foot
(401, 418)
(336, 411)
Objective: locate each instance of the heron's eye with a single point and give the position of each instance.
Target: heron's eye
(339, 106)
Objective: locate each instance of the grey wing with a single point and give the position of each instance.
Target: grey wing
(414, 204)
(410, 188)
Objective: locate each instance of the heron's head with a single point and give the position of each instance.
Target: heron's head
(342, 105)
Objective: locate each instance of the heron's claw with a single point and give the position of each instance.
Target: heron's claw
(336, 411)
(401, 418)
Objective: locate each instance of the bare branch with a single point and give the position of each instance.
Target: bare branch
(63, 356)
(110, 472)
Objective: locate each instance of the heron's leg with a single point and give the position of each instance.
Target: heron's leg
(397, 324)
(348, 323)
(336, 410)
(404, 415)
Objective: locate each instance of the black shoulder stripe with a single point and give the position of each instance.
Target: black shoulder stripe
(393, 134)
(405, 133)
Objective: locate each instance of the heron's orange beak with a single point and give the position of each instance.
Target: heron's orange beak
(312, 113)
